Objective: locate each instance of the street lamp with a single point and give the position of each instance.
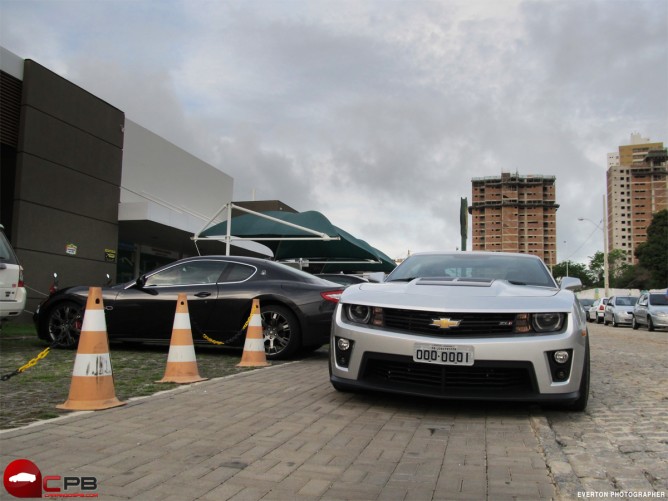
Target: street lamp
(605, 245)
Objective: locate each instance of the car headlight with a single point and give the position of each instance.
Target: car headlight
(358, 313)
(538, 322)
(362, 314)
(547, 322)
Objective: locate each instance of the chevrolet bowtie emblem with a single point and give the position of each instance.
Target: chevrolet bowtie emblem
(445, 323)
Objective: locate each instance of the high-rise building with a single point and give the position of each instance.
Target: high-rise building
(513, 213)
(637, 187)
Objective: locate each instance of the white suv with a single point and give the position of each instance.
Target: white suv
(12, 291)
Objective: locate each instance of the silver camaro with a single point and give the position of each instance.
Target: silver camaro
(464, 325)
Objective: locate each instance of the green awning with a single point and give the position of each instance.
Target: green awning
(338, 249)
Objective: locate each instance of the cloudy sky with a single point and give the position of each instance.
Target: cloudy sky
(375, 112)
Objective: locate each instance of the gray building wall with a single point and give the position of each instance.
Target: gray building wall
(67, 183)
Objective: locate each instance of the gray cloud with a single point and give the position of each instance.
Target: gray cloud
(377, 113)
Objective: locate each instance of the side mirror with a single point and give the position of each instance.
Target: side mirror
(377, 277)
(141, 282)
(571, 283)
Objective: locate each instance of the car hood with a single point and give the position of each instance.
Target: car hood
(496, 295)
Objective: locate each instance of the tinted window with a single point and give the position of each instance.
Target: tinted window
(237, 272)
(193, 273)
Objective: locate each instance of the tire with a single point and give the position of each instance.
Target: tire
(614, 322)
(282, 337)
(634, 324)
(63, 324)
(650, 324)
(581, 403)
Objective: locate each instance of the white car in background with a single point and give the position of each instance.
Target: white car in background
(464, 325)
(12, 290)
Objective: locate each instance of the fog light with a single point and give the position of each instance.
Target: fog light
(561, 356)
(343, 344)
(343, 351)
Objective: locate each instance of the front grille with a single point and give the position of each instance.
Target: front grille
(483, 379)
(472, 324)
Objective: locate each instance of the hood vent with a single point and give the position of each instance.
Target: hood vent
(468, 282)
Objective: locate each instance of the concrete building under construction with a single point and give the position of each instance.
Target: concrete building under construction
(637, 188)
(514, 213)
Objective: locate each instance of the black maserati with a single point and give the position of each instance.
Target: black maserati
(296, 307)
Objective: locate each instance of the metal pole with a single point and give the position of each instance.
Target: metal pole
(228, 237)
(605, 248)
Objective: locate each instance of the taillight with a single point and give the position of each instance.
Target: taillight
(21, 284)
(332, 296)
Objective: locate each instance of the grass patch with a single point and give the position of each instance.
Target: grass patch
(33, 394)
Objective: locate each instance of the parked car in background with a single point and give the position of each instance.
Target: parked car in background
(296, 307)
(651, 310)
(597, 310)
(12, 290)
(464, 325)
(586, 304)
(342, 279)
(619, 310)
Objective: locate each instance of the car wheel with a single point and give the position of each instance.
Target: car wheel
(63, 324)
(581, 403)
(281, 332)
(650, 324)
(614, 322)
(634, 324)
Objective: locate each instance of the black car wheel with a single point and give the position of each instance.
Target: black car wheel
(281, 332)
(650, 324)
(634, 324)
(64, 322)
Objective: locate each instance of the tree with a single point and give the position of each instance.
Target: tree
(571, 269)
(653, 254)
(617, 267)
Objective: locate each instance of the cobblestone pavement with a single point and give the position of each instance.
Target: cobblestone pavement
(284, 433)
(621, 442)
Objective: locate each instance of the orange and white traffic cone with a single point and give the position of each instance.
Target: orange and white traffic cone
(181, 362)
(92, 386)
(254, 355)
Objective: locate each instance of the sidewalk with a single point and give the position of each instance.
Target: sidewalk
(283, 433)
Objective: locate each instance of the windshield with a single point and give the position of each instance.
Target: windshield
(516, 269)
(626, 301)
(658, 299)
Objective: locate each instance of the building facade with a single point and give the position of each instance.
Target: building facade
(513, 213)
(86, 193)
(637, 187)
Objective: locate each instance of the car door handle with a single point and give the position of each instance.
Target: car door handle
(203, 294)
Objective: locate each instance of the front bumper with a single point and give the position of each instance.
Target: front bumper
(517, 368)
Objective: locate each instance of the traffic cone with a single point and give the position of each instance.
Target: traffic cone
(254, 355)
(181, 362)
(92, 386)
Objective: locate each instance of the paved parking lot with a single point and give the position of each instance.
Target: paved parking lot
(283, 432)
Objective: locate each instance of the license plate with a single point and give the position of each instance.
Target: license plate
(443, 354)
